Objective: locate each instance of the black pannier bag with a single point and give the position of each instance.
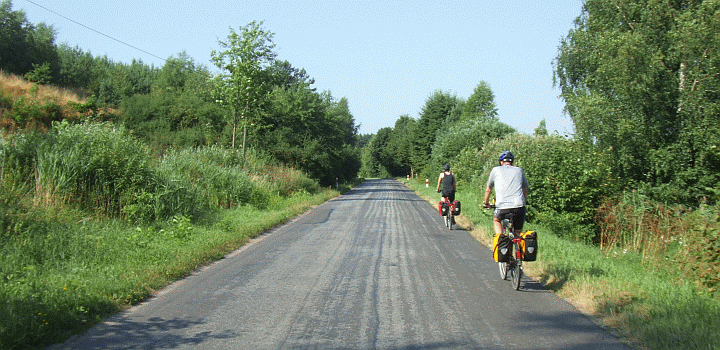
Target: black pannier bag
(443, 208)
(456, 203)
(530, 246)
(501, 248)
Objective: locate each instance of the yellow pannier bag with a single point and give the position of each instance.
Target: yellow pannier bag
(501, 247)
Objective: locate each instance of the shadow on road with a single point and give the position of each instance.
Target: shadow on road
(122, 333)
(532, 286)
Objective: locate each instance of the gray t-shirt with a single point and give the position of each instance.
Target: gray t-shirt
(508, 182)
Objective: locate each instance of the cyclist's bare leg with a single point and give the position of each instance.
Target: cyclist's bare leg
(497, 225)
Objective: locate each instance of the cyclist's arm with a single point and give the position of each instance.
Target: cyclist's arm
(525, 194)
(488, 191)
(439, 181)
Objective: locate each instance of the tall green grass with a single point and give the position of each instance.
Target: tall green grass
(61, 275)
(92, 165)
(92, 223)
(650, 306)
(99, 167)
(218, 183)
(676, 239)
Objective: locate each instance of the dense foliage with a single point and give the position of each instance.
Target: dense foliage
(641, 79)
(182, 104)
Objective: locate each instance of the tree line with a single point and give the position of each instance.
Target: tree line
(183, 104)
(641, 82)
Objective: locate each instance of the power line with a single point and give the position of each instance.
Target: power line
(103, 34)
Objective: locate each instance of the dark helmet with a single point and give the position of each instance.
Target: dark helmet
(507, 156)
(446, 167)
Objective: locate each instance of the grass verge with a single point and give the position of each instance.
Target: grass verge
(107, 266)
(648, 309)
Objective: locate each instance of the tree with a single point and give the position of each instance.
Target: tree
(175, 73)
(640, 78)
(481, 104)
(541, 130)
(283, 74)
(372, 155)
(23, 44)
(617, 77)
(470, 133)
(399, 146)
(241, 85)
(344, 121)
(697, 44)
(76, 67)
(311, 131)
(437, 108)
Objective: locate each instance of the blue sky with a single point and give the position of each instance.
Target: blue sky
(386, 57)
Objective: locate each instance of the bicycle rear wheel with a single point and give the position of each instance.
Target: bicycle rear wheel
(450, 220)
(516, 274)
(503, 266)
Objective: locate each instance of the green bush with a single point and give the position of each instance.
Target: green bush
(273, 178)
(568, 178)
(211, 172)
(470, 133)
(40, 74)
(6, 101)
(172, 119)
(30, 112)
(96, 166)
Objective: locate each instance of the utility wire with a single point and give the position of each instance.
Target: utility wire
(105, 35)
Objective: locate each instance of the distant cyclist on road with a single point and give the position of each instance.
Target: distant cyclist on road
(449, 185)
(511, 190)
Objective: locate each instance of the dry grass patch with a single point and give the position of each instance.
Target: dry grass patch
(17, 86)
(27, 105)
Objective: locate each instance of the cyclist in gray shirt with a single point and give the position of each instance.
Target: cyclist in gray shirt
(511, 190)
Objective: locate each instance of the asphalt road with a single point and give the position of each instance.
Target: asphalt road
(372, 269)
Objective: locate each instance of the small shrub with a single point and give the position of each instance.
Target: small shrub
(208, 171)
(40, 74)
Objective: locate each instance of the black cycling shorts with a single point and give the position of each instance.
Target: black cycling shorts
(449, 195)
(518, 216)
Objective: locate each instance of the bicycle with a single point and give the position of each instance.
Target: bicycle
(450, 216)
(514, 265)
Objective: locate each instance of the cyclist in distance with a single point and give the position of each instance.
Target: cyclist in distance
(511, 190)
(449, 186)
